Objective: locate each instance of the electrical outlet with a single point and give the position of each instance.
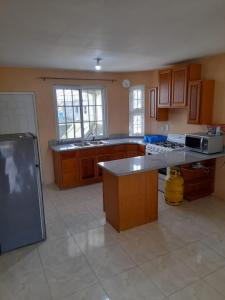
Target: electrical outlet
(164, 127)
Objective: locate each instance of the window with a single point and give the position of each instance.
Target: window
(80, 112)
(136, 111)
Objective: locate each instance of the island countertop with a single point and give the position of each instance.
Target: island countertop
(146, 163)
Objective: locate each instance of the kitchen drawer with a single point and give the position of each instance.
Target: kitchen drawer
(104, 150)
(131, 147)
(68, 154)
(87, 152)
(119, 148)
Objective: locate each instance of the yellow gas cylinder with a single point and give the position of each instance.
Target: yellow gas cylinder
(174, 187)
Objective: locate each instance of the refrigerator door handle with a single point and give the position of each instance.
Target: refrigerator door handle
(41, 206)
(37, 161)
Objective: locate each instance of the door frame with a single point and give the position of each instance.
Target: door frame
(35, 120)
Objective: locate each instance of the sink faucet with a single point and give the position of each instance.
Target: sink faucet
(90, 134)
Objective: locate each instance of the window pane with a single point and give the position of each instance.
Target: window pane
(76, 97)
(135, 94)
(86, 128)
(76, 112)
(84, 97)
(61, 115)
(70, 131)
(99, 128)
(99, 97)
(135, 104)
(137, 126)
(91, 98)
(62, 131)
(60, 97)
(85, 113)
(99, 113)
(139, 94)
(92, 113)
(93, 127)
(77, 130)
(139, 104)
(69, 114)
(68, 97)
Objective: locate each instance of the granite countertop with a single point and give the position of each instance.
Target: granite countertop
(154, 162)
(108, 142)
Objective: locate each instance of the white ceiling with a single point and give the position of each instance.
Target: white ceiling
(128, 34)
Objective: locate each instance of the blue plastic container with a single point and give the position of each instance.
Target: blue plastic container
(155, 138)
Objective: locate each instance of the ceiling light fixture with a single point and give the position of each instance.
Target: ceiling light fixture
(98, 65)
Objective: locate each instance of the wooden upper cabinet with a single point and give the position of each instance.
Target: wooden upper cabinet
(200, 101)
(173, 84)
(159, 114)
(179, 87)
(194, 91)
(165, 77)
(153, 92)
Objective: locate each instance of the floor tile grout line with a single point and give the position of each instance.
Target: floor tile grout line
(211, 273)
(69, 259)
(71, 233)
(213, 287)
(45, 275)
(98, 279)
(185, 263)
(192, 283)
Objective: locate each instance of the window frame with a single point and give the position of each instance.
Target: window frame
(80, 88)
(137, 111)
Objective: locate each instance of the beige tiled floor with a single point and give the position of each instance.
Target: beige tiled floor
(180, 257)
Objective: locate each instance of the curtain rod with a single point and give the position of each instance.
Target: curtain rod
(68, 78)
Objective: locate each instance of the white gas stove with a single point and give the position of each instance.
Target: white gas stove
(175, 142)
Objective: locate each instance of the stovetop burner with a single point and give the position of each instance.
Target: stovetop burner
(169, 144)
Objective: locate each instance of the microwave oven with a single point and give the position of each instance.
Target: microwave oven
(204, 143)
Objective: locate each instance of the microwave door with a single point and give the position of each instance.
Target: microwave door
(193, 142)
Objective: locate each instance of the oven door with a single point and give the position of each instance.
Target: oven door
(161, 179)
(193, 142)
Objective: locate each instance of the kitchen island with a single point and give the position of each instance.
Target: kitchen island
(130, 186)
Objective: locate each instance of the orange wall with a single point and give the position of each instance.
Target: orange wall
(21, 80)
(26, 80)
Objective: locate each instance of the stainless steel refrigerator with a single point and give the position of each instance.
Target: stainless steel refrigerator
(21, 201)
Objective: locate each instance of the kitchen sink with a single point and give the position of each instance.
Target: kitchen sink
(98, 142)
(89, 143)
(82, 144)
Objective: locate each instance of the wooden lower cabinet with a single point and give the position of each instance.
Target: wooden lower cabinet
(198, 182)
(66, 169)
(87, 169)
(131, 151)
(101, 158)
(119, 155)
(79, 167)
